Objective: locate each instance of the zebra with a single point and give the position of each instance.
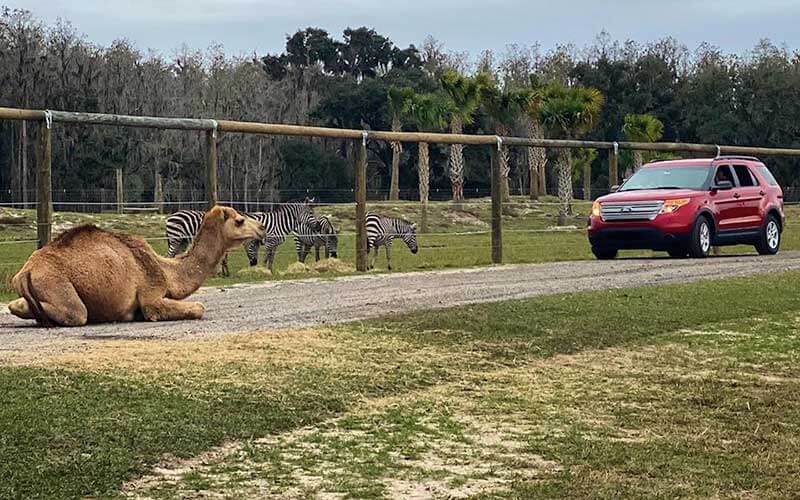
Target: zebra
(181, 228)
(278, 224)
(322, 234)
(382, 230)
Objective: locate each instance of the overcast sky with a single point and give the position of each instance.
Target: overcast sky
(244, 26)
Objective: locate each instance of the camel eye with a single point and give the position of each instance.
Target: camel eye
(239, 222)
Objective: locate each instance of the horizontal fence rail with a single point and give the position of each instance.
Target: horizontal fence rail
(212, 127)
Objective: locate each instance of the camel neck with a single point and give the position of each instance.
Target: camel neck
(188, 272)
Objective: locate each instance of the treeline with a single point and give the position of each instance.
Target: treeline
(702, 95)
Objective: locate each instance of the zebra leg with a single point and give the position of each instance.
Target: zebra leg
(389, 255)
(251, 249)
(316, 251)
(374, 256)
(172, 247)
(225, 271)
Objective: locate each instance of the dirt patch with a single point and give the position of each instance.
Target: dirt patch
(464, 218)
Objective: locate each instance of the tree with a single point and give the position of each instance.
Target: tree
(582, 166)
(641, 128)
(536, 157)
(430, 113)
(503, 109)
(400, 103)
(464, 94)
(569, 113)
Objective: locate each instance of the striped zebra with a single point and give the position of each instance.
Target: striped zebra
(322, 234)
(278, 225)
(182, 226)
(382, 230)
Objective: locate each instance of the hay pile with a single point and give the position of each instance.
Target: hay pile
(297, 268)
(254, 272)
(333, 266)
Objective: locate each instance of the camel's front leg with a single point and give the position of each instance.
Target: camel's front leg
(164, 309)
(20, 309)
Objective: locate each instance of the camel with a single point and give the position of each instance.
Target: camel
(89, 275)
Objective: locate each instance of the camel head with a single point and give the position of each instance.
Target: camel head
(233, 227)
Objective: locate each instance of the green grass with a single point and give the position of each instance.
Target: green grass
(444, 245)
(696, 393)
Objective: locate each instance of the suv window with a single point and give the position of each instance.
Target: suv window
(744, 176)
(724, 173)
(767, 175)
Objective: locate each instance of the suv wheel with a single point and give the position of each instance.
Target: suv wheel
(700, 243)
(604, 253)
(770, 238)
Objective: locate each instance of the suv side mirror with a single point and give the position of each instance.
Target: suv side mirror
(722, 186)
(615, 188)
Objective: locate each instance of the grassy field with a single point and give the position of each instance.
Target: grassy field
(688, 390)
(529, 236)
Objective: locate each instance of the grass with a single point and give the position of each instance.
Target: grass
(527, 237)
(684, 390)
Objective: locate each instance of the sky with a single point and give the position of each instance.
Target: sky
(260, 26)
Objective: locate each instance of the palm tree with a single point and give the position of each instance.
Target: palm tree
(641, 128)
(503, 109)
(568, 112)
(537, 157)
(429, 112)
(582, 166)
(464, 95)
(399, 108)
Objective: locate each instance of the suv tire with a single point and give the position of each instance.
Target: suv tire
(604, 253)
(769, 238)
(700, 240)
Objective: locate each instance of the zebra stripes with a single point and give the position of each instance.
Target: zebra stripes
(321, 234)
(182, 227)
(382, 230)
(278, 225)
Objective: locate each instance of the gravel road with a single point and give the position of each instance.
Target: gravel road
(309, 302)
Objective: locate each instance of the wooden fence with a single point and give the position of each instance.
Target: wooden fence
(47, 119)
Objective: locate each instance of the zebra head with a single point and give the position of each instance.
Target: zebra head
(328, 233)
(407, 231)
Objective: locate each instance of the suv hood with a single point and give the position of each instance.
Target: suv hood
(648, 195)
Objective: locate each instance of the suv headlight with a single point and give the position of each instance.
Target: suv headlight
(596, 209)
(671, 206)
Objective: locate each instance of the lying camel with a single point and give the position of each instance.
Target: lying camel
(88, 275)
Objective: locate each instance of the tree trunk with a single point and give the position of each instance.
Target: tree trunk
(587, 181)
(637, 160)
(424, 183)
(456, 162)
(505, 165)
(23, 156)
(397, 148)
(537, 157)
(564, 185)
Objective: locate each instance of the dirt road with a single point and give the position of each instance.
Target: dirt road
(319, 301)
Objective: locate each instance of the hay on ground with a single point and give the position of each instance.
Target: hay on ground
(333, 266)
(297, 268)
(254, 272)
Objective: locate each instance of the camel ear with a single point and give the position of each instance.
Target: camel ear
(217, 212)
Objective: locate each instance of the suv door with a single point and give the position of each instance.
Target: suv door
(726, 203)
(750, 201)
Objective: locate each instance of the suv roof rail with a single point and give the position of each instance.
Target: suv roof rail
(736, 157)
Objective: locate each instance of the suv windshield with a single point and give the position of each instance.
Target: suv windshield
(667, 178)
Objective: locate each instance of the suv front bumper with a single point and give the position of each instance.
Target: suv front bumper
(647, 238)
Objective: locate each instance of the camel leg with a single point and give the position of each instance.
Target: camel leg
(164, 309)
(59, 300)
(20, 309)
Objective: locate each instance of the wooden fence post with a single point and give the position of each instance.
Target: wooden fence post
(44, 207)
(497, 208)
(211, 168)
(361, 205)
(613, 161)
(120, 195)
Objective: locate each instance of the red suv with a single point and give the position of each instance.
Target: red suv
(685, 207)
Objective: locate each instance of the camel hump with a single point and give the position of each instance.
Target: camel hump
(68, 237)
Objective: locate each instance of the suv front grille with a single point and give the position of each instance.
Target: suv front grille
(632, 210)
